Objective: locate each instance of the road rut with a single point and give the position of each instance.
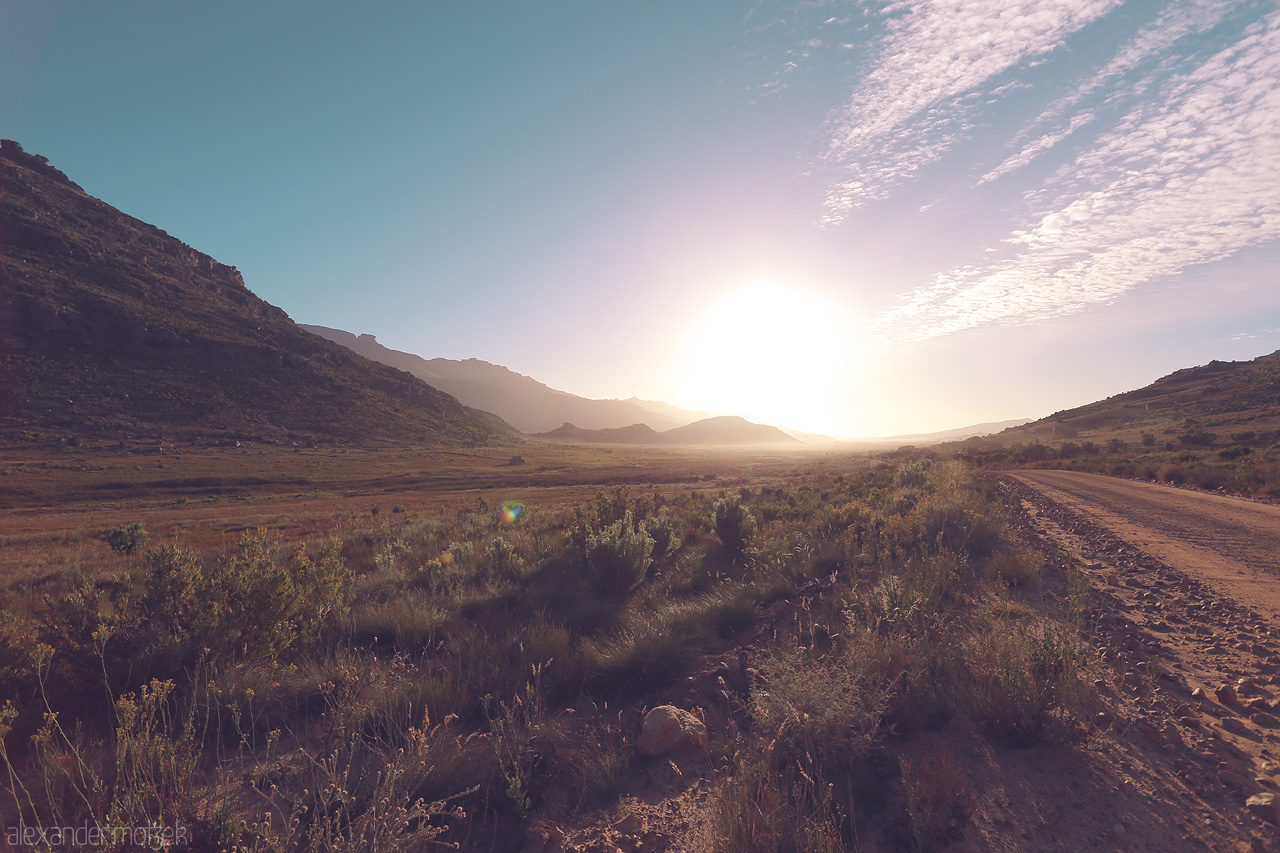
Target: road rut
(1230, 543)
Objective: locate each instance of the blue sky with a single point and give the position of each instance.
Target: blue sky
(955, 212)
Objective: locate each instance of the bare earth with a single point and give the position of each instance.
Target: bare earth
(1230, 543)
(1184, 608)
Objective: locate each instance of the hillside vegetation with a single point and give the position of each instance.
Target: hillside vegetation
(1215, 427)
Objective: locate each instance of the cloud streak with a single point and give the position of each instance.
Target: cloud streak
(912, 105)
(1190, 176)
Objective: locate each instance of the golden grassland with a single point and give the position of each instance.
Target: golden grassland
(329, 650)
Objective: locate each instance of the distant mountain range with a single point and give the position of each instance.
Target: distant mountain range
(721, 431)
(525, 403)
(956, 434)
(111, 328)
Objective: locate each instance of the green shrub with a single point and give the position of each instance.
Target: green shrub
(127, 538)
(735, 526)
(173, 590)
(913, 473)
(618, 556)
(253, 603)
(1197, 438)
(1235, 451)
(662, 529)
(502, 561)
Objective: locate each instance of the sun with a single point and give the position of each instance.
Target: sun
(772, 353)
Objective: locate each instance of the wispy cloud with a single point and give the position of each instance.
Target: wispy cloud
(912, 105)
(1176, 24)
(1190, 176)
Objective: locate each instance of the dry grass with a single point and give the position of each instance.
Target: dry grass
(486, 641)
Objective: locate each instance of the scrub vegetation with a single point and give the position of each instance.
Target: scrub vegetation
(476, 675)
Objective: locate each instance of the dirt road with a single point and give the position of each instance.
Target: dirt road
(1229, 543)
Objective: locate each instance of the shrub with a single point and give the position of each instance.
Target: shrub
(253, 603)
(127, 538)
(173, 593)
(618, 556)
(735, 526)
(662, 529)
(1148, 439)
(1197, 438)
(501, 560)
(935, 799)
(1026, 683)
(913, 473)
(1015, 569)
(1235, 451)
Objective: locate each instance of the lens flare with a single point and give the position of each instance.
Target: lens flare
(511, 513)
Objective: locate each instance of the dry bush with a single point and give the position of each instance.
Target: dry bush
(763, 812)
(936, 800)
(1026, 680)
(1014, 569)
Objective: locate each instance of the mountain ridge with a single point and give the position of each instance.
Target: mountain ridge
(111, 327)
(523, 402)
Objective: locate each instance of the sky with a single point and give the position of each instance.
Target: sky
(856, 218)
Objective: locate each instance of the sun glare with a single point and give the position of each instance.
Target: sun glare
(771, 353)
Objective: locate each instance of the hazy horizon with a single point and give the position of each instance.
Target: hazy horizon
(845, 218)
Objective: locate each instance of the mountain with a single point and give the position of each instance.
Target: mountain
(723, 431)
(525, 403)
(1232, 395)
(110, 327)
(634, 434)
(955, 434)
(727, 430)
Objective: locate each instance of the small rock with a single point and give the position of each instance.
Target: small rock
(1226, 695)
(667, 728)
(1231, 724)
(1232, 778)
(1198, 693)
(632, 824)
(1262, 718)
(1102, 719)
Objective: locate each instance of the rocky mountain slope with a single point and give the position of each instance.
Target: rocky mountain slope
(110, 327)
(525, 403)
(1239, 396)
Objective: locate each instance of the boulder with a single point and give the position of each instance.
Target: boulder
(668, 729)
(1265, 806)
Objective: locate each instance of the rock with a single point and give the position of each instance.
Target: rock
(1231, 724)
(1262, 718)
(1265, 806)
(1198, 693)
(667, 729)
(632, 824)
(1234, 779)
(1226, 695)
(1102, 719)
